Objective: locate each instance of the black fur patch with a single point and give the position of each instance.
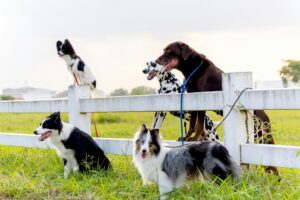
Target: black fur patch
(153, 64)
(154, 139)
(220, 152)
(53, 122)
(94, 83)
(65, 161)
(198, 152)
(80, 66)
(219, 172)
(87, 153)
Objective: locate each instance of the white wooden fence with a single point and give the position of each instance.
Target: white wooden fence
(237, 130)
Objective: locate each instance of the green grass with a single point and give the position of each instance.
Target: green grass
(28, 173)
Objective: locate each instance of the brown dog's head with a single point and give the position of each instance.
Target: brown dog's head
(174, 54)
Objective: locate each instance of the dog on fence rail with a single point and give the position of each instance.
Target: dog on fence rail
(170, 84)
(170, 167)
(208, 77)
(78, 149)
(81, 72)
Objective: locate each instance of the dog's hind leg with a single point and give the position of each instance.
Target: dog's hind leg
(199, 121)
(158, 119)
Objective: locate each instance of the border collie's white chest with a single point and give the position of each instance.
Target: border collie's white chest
(61, 149)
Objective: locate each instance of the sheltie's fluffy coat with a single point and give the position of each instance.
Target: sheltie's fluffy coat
(170, 167)
(81, 72)
(78, 150)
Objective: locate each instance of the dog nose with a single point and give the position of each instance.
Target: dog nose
(144, 151)
(35, 132)
(145, 71)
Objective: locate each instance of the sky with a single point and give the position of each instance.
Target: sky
(116, 38)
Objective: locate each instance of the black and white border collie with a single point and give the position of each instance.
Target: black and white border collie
(169, 84)
(170, 167)
(81, 72)
(78, 150)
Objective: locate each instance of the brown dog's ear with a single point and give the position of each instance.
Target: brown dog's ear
(186, 51)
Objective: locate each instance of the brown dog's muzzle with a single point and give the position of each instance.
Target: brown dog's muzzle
(168, 63)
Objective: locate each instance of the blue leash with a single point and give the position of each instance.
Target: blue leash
(183, 88)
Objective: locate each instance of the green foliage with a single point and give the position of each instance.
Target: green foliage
(6, 97)
(28, 173)
(142, 90)
(119, 92)
(290, 71)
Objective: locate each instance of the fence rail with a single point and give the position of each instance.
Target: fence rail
(275, 99)
(236, 126)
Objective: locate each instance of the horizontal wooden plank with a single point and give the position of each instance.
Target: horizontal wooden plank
(109, 145)
(168, 102)
(254, 99)
(22, 140)
(275, 99)
(34, 106)
(259, 154)
(271, 155)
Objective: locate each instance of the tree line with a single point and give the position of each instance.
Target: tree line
(140, 90)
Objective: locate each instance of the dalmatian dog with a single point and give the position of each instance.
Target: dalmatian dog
(170, 84)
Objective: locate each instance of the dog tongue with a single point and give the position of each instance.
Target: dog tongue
(45, 136)
(171, 65)
(151, 75)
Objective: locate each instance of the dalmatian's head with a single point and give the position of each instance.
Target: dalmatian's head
(153, 69)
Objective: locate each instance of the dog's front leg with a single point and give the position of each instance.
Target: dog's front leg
(67, 168)
(193, 119)
(199, 135)
(158, 119)
(165, 185)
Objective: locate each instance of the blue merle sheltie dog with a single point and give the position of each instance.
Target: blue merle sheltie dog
(81, 72)
(78, 149)
(170, 167)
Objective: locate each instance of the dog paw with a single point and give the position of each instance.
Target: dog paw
(180, 139)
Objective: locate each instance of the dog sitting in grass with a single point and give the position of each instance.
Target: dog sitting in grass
(78, 149)
(170, 167)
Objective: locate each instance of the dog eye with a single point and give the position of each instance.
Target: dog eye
(139, 141)
(150, 143)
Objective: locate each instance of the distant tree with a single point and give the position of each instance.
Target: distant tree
(119, 92)
(290, 71)
(6, 97)
(142, 90)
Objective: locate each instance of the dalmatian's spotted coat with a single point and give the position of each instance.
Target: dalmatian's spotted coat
(170, 84)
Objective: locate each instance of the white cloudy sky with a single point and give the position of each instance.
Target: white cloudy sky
(116, 38)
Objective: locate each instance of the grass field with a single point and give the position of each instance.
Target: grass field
(27, 173)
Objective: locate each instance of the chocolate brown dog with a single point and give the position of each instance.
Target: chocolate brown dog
(208, 77)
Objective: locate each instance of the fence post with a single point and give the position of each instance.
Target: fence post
(80, 120)
(238, 123)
